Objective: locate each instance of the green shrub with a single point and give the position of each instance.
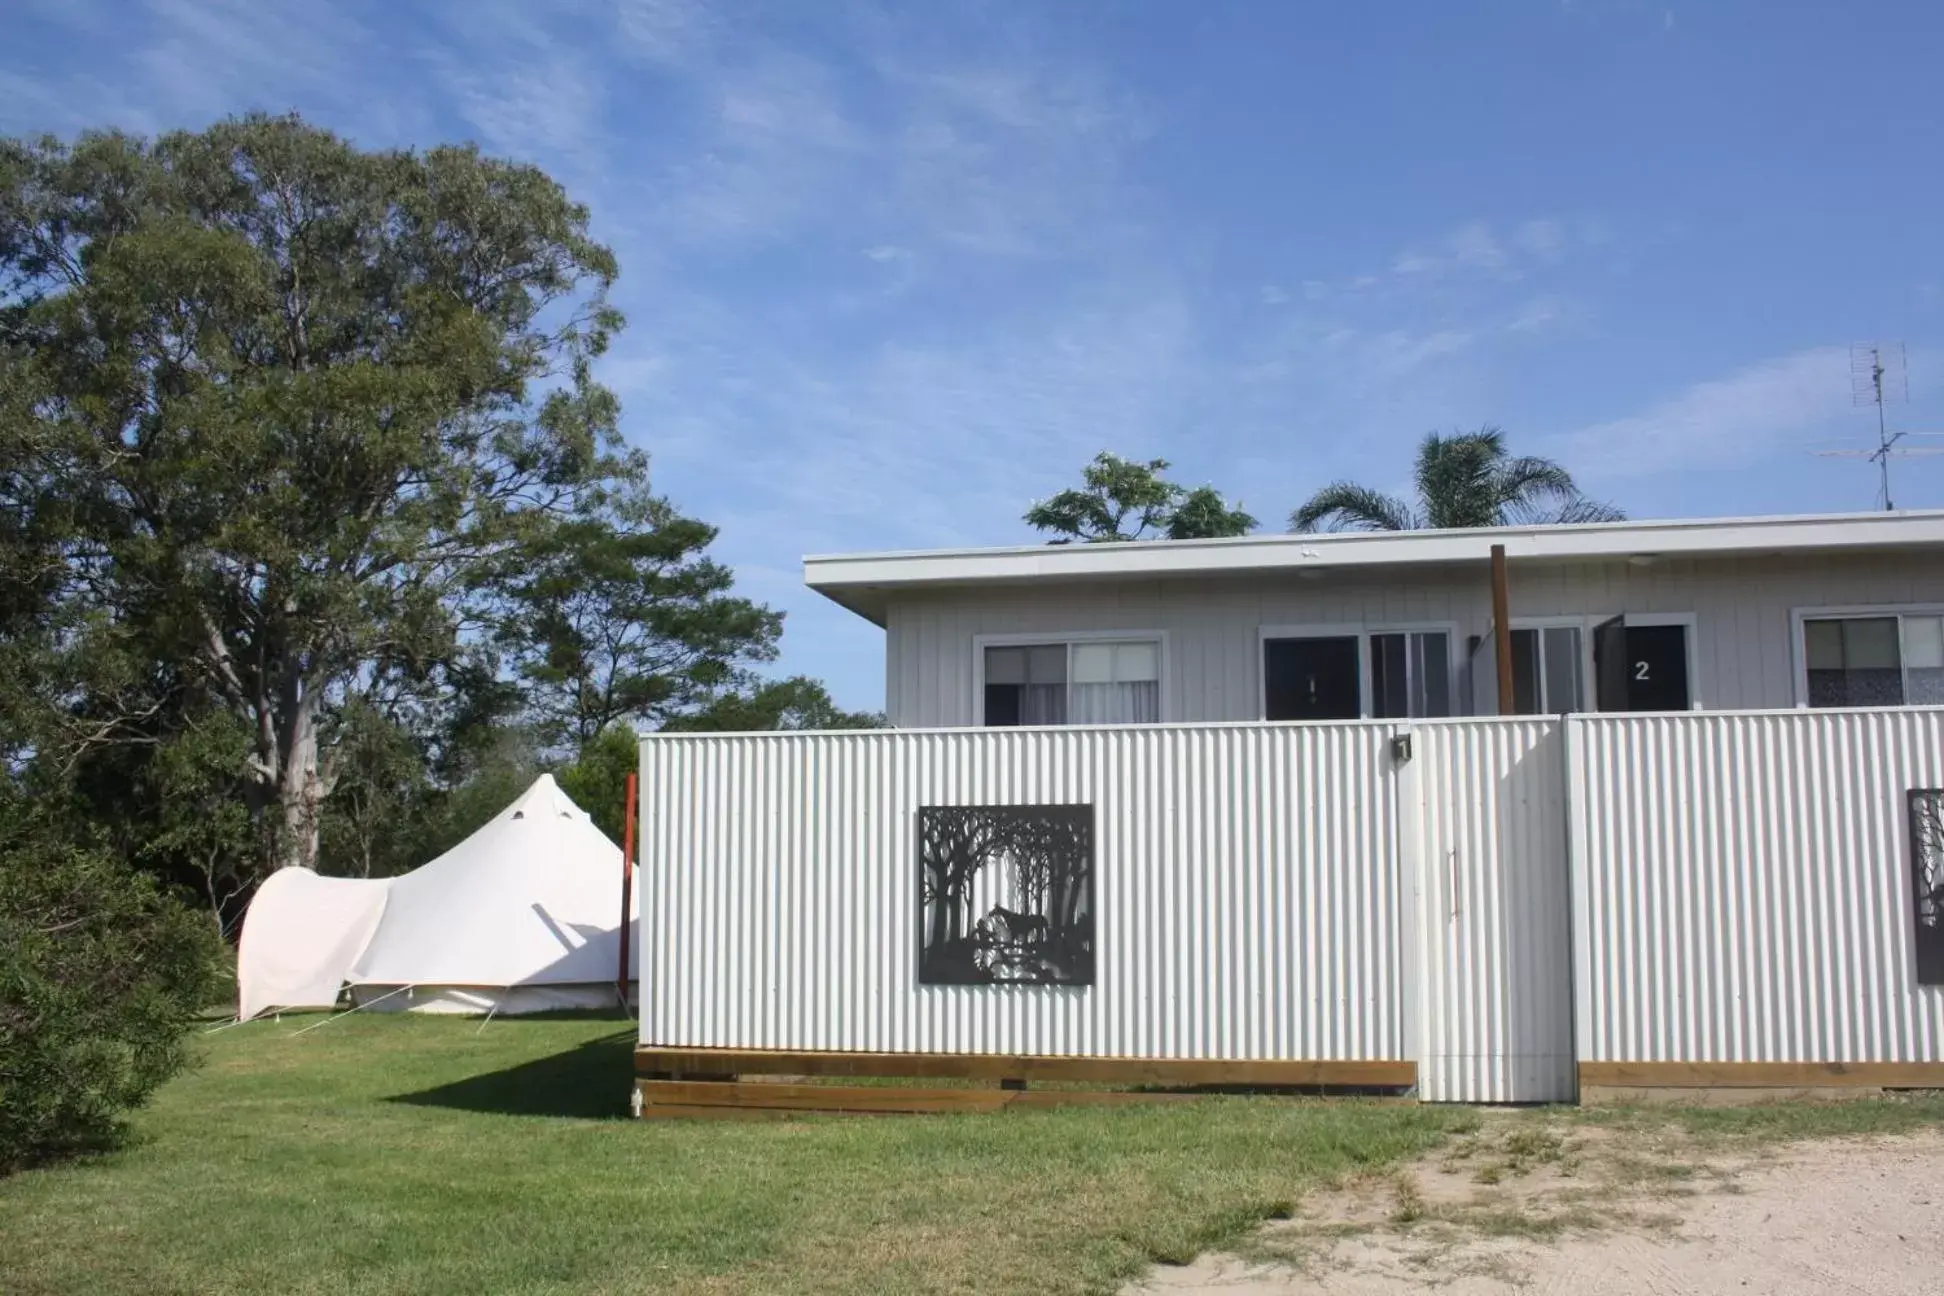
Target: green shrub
(101, 975)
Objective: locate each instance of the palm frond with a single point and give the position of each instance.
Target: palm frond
(1346, 506)
(1530, 478)
(1578, 509)
(1457, 478)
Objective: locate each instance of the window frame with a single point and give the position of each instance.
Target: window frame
(1361, 632)
(1066, 639)
(1799, 639)
(1691, 638)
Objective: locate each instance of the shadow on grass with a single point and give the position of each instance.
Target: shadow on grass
(588, 1082)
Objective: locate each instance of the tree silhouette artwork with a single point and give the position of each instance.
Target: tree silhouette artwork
(1927, 875)
(1005, 895)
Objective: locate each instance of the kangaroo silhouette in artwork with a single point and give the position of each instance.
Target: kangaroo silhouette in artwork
(1017, 928)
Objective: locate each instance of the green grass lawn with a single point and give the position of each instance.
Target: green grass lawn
(425, 1155)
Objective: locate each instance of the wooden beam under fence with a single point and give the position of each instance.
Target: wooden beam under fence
(681, 1062)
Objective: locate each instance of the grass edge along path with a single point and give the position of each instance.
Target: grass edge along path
(392, 1154)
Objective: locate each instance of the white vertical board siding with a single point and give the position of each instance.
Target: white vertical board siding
(1247, 898)
(1743, 887)
(1742, 654)
(1494, 998)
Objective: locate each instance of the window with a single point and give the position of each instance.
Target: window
(1319, 676)
(1116, 683)
(1882, 660)
(1410, 674)
(1111, 682)
(1026, 685)
(1311, 678)
(1546, 671)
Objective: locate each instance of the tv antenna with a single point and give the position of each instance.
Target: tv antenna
(1879, 376)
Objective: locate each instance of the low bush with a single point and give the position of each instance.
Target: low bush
(101, 977)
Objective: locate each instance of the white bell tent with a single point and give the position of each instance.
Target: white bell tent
(520, 917)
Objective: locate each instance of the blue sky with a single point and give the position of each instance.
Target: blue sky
(893, 271)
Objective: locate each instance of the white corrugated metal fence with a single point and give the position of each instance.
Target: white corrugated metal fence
(1506, 898)
(1744, 888)
(1246, 883)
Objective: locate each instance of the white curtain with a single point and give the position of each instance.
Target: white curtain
(1116, 683)
(1136, 702)
(1042, 704)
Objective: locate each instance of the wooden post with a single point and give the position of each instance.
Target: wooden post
(627, 886)
(1502, 630)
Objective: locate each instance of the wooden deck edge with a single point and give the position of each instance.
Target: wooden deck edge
(676, 1064)
(729, 1099)
(1761, 1075)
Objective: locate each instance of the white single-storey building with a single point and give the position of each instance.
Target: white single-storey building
(1839, 610)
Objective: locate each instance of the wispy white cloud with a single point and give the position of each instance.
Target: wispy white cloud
(164, 64)
(1776, 407)
(667, 31)
(210, 58)
(1475, 247)
(1534, 315)
(959, 433)
(775, 148)
(1543, 240)
(1472, 246)
(1476, 250)
(1008, 162)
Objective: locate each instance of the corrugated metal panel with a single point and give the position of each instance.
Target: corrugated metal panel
(1742, 889)
(1495, 1007)
(1247, 881)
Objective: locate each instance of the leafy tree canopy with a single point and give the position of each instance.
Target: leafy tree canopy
(1125, 499)
(1466, 479)
(597, 778)
(794, 703)
(306, 433)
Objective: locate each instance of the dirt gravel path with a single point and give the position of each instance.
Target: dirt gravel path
(1852, 1216)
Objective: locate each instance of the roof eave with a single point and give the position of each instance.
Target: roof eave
(864, 583)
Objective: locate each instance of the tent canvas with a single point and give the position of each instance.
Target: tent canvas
(519, 917)
(300, 937)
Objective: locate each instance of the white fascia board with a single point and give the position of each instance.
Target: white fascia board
(861, 581)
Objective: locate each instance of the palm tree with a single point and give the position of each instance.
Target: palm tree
(1465, 479)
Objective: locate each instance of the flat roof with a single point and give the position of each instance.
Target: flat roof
(866, 582)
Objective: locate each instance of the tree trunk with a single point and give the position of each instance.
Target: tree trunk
(301, 792)
(215, 901)
(290, 773)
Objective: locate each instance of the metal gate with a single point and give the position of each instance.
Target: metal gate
(1484, 836)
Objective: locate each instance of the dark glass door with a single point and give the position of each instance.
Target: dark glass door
(1641, 668)
(1657, 668)
(1311, 679)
